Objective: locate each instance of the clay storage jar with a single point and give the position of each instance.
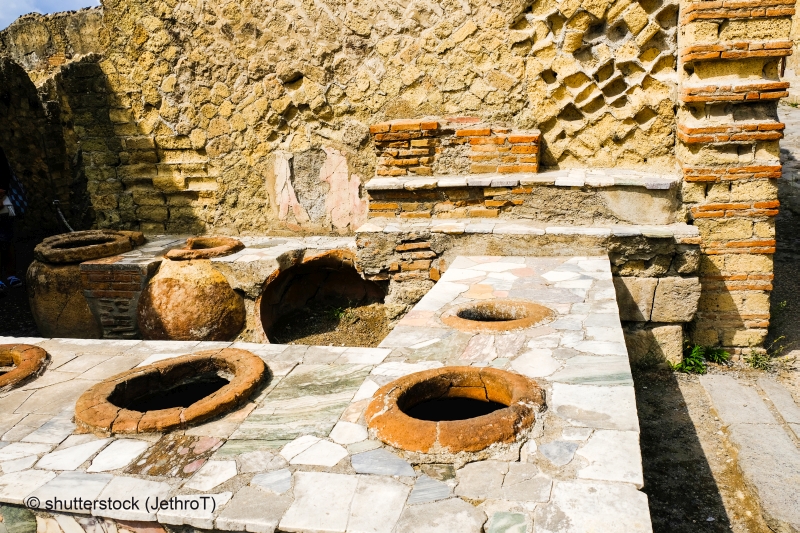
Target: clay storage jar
(188, 299)
(54, 283)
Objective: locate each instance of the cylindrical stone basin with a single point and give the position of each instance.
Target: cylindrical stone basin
(188, 299)
(497, 315)
(20, 363)
(454, 409)
(170, 394)
(55, 290)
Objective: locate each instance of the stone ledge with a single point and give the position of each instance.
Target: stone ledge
(558, 178)
(736, 50)
(682, 233)
(736, 91)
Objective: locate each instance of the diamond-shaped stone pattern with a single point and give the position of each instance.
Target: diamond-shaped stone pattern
(601, 85)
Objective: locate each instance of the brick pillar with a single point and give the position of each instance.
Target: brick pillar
(728, 146)
(112, 287)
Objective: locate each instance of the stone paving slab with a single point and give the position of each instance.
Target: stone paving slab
(298, 456)
(768, 455)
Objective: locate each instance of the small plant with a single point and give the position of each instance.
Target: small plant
(336, 312)
(692, 362)
(695, 358)
(772, 355)
(758, 360)
(717, 356)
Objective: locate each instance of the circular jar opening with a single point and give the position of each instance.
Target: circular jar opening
(323, 301)
(496, 315)
(80, 243)
(182, 394)
(86, 245)
(205, 248)
(454, 409)
(20, 363)
(171, 394)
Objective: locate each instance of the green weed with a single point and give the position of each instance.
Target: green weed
(696, 357)
(335, 312)
(773, 355)
(758, 360)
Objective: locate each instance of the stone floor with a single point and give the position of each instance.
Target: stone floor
(298, 457)
(762, 420)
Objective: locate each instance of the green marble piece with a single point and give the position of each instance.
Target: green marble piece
(232, 448)
(503, 522)
(17, 520)
(309, 401)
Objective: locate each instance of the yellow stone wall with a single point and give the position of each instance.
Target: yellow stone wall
(202, 98)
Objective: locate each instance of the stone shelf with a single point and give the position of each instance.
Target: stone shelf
(558, 178)
(681, 233)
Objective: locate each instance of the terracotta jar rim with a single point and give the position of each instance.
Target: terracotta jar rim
(385, 415)
(95, 412)
(205, 248)
(28, 361)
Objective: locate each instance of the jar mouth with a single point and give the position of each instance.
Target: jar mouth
(82, 242)
(497, 315)
(454, 409)
(172, 394)
(19, 363)
(88, 245)
(205, 248)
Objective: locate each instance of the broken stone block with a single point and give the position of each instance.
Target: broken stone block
(653, 344)
(635, 297)
(676, 299)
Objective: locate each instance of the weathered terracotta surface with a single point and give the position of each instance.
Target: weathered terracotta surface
(27, 361)
(55, 290)
(385, 415)
(190, 300)
(94, 411)
(205, 248)
(55, 293)
(507, 315)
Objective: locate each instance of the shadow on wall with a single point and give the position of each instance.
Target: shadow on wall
(33, 143)
(325, 279)
(72, 141)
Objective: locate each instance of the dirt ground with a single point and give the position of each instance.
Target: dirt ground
(691, 476)
(16, 319)
(324, 325)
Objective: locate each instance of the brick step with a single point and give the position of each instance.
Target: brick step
(704, 131)
(593, 178)
(679, 233)
(734, 91)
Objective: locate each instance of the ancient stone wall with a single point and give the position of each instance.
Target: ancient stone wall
(38, 96)
(231, 117)
(728, 131)
(183, 116)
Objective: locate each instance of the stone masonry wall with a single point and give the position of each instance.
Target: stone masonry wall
(233, 118)
(728, 131)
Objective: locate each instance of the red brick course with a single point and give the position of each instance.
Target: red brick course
(411, 147)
